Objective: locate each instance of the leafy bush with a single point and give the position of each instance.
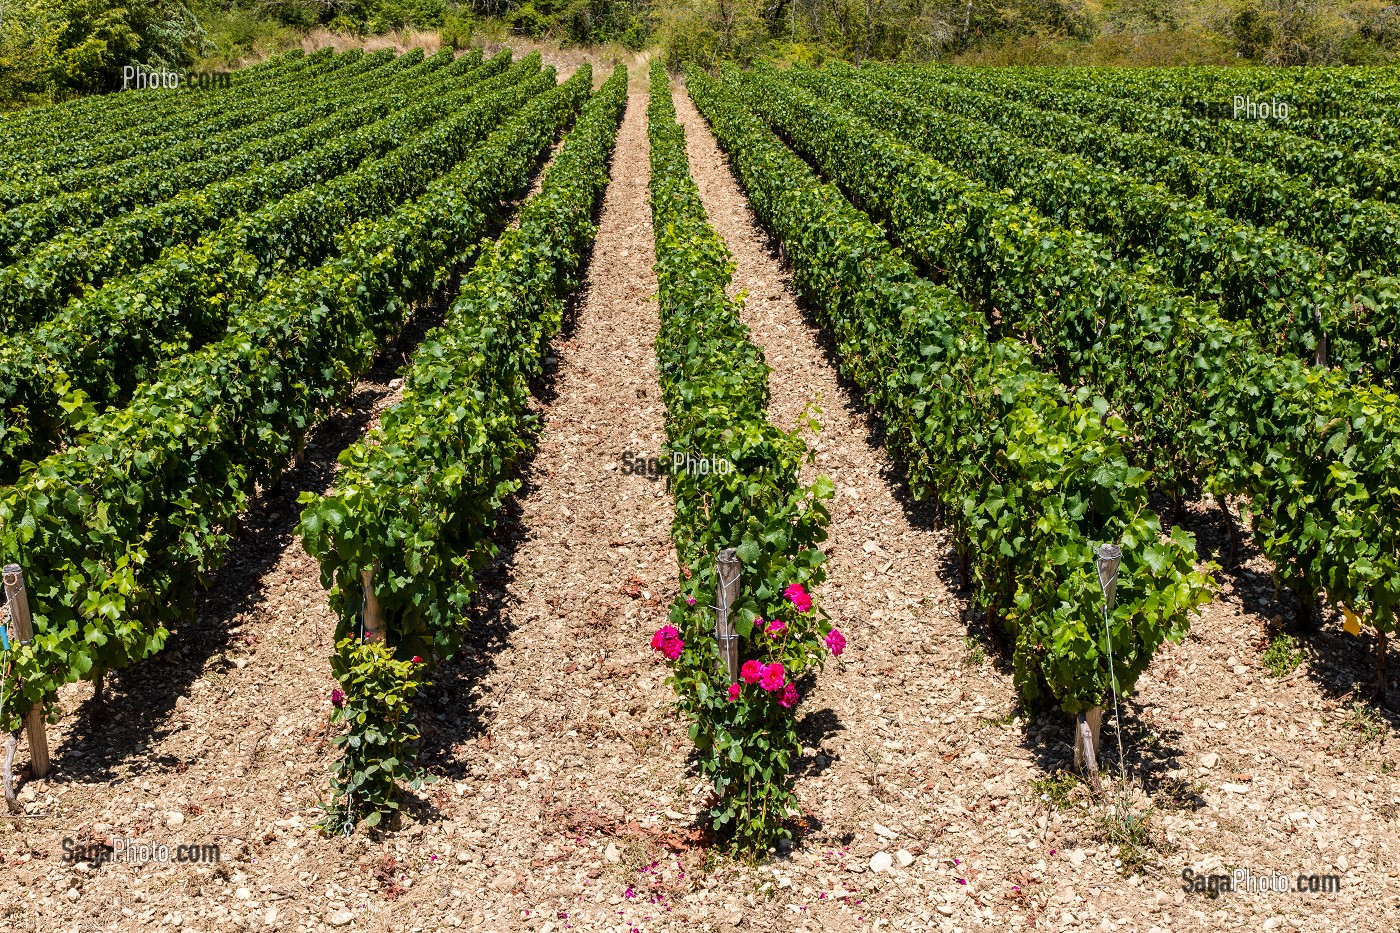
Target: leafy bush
(456, 31)
(59, 48)
(379, 752)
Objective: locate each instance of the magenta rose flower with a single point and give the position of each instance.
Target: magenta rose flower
(790, 697)
(338, 698)
(774, 677)
(668, 641)
(734, 690)
(836, 642)
(776, 627)
(798, 597)
(751, 672)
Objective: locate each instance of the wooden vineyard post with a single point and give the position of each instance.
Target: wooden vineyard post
(1087, 726)
(1236, 541)
(1088, 723)
(18, 600)
(374, 613)
(6, 773)
(1094, 717)
(725, 636)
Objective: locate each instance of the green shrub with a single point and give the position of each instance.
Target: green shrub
(379, 747)
(456, 31)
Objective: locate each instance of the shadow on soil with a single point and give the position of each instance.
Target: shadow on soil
(1342, 665)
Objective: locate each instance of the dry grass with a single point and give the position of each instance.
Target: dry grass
(566, 60)
(399, 40)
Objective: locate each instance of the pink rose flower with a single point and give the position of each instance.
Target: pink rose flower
(690, 600)
(776, 627)
(734, 690)
(798, 597)
(790, 697)
(836, 642)
(773, 677)
(668, 641)
(751, 672)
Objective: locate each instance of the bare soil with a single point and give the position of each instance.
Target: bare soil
(566, 799)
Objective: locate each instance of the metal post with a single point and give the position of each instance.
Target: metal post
(725, 636)
(18, 600)
(1110, 555)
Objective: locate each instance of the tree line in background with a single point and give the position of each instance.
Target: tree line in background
(51, 49)
(1042, 32)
